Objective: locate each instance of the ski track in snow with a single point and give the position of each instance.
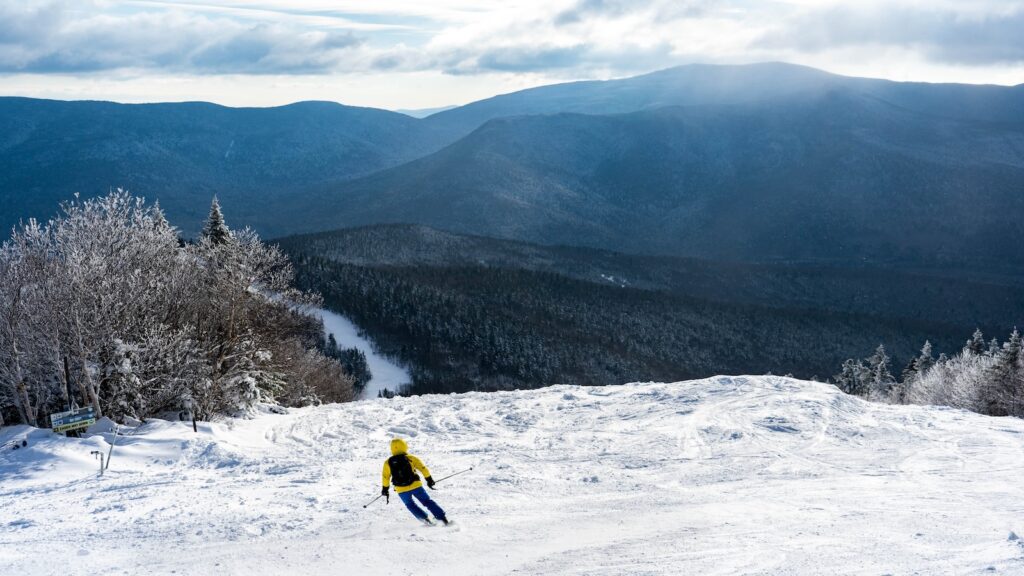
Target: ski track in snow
(384, 373)
(729, 475)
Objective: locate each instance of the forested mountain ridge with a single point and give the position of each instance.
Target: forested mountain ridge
(766, 162)
(886, 293)
(836, 178)
(469, 312)
(484, 328)
(770, 82)
(183, 153)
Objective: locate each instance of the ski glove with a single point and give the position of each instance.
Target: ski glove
(430, 482)
(384, 492)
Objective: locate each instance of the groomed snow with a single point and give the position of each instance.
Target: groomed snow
(741, 475)
(384, 373)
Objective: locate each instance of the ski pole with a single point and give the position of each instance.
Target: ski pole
(372, 501)
(456, 474)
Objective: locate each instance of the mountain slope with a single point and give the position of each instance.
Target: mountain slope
(481, 328)
(281, 169)
(840, 177)
(182, 154)
(765, 83)
(994, 304)
(752, 475)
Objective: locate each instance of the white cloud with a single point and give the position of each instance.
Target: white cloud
(339, 44)
(58, 37)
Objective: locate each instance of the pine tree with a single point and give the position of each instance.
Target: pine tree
(917, 368)
(1010, 353)
(159, 219)
(976, 345)
(881, 377)
(909, 373)
(925, 361)
(993, 347)
(854, 378)
(216, 230)
(1001, 396)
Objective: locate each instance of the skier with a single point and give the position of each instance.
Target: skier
(400, 471)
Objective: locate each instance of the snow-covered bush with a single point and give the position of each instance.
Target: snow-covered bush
(105, 306)
(958, 382)
(983, 377)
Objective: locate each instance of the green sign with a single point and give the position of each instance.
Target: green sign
(72, 420)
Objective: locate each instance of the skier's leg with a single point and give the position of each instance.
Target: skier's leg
(425, 499)
(411, 505)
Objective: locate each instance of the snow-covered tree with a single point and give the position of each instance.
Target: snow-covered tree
(216, 229)
(956, 382)
(158, 217)
(993, 347)
(1004, 391)
(105, 301)
(881, 377)
(976, 379)
(854, 379)
(925, 360)
(976, 344)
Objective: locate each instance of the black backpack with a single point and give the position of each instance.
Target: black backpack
(401, 471)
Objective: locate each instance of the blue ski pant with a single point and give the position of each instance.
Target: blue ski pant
(424, 498)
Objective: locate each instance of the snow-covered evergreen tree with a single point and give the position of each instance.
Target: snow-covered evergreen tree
(993, 347)
(216, 229)
(1003, 391)
(987, 382)
(855, 378)
(926, 360)
(158, 217)
(881, 377)
(976, 344)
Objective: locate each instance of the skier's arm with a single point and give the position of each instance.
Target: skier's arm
(386, 474)
(419, 465)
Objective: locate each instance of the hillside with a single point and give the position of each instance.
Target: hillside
(765, 83)
(728, 475)
(839, 178)
(995, 304)
(762, 162)
(256, 159)
(465, 328)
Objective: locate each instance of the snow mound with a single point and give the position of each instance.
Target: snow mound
(728, 475)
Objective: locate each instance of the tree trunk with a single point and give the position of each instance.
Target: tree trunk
(68, 396)
(18, 406)
(88, 385)
(29, 412)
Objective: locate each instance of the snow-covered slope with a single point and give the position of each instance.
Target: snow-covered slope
(741, 475)
(385, 374)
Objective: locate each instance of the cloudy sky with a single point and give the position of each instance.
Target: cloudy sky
(426, 53)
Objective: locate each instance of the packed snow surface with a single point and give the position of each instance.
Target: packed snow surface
(384, 373)
(729, 475)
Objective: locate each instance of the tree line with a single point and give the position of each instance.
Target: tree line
(985, 377)
(105, 306)
(462, 328)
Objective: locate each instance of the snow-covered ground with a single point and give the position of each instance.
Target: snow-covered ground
(384, 372)
(730, 475)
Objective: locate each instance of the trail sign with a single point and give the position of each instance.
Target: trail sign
(72, 419)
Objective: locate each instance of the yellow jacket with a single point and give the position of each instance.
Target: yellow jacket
(398, 446)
